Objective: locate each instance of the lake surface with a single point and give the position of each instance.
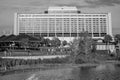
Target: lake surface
(100, 72)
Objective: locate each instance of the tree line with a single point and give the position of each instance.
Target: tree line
(82, 50)
(27, 43)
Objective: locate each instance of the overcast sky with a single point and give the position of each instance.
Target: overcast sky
(9, 7)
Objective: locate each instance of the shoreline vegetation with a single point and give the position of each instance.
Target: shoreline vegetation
(48, 72)
(43, 67)
(82, 52)
(46, 67)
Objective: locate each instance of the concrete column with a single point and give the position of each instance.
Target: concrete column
(92, 26)
(40, 27)
(70, 26)
(16, 24)
(99, 28)
(48, 27)
(62, 26)
(109, 24)
(77, 27)
(33, 25)
(84, 24)
(55, 26)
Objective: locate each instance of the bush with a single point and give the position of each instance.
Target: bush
(79, 61)
(55, 60)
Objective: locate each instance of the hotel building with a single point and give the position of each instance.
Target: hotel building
(63, 22)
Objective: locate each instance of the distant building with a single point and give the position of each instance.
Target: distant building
(63, 22)
(103, 46)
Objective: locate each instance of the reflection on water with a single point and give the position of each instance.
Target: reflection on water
(109, 67)
(101, 72)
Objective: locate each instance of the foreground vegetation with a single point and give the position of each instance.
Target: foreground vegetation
(81, 50)
(9, 64)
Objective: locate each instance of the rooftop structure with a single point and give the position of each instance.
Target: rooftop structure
(63, 9)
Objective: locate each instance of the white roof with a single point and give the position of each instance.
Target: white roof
(62, 8)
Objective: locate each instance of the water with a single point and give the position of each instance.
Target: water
(101, 72)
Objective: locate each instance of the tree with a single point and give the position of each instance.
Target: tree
(47, 42)
(117, 38)
(55, 42)
(42, 42)
(25, 43)
(117, 42)
(94, 43)
(64, 42)
(81, 48)
(86, 42)
(107, 39)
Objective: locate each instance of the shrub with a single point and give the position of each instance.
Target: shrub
(79, 61)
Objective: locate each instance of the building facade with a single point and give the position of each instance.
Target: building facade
(103, 46)
(63, 22)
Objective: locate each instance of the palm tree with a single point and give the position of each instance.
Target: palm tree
(117, 42)
(107, 40)
(117, 38)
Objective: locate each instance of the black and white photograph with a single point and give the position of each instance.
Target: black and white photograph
(59, 39)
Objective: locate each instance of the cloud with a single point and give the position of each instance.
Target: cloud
(100, 3)
(41, 5)
(47, 3)
(77, 3)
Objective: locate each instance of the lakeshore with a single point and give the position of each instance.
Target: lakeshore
(43, 67)
(48, 72)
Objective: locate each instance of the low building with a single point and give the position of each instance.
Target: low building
(103, 46)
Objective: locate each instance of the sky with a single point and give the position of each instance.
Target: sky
(9, 7)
